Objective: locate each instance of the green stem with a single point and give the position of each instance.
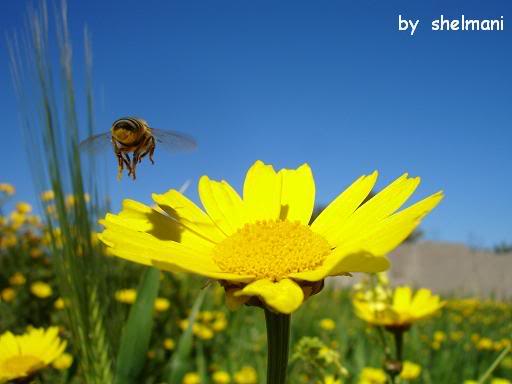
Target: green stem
(278, 339)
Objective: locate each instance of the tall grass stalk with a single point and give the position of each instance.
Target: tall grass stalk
(50, 122)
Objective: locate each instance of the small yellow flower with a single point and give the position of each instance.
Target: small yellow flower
(219, 325)
(169, 344)
(41, 289)
(470, 382)
(484, 344)
(327, 324)
(59, 303)
(63, 362)
(126, 296)
(404, 310)
(371, 375)
(8, 294)
(48, 195)
(498, 380)
(23, 355)
(330, 379)
(17, 279)
(439, 336)
(203, 332)
(246, 375)
(162, 304)
(261, 246)
(191, 378)
(410, 371)
(221, 377)
(23, 208)
(7, 188)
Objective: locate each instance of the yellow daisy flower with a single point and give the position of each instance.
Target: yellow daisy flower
(17, 279)
(410, 370)
(404, 310)
(327, 324)
(191, 378)
(41, 289)
(23, 355)
(126, 296)
(162, 304)
(221, 377)
(370, 375)
(7, 188)
(246, 375)
(261, 247)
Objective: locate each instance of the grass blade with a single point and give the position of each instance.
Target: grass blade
(137, 330)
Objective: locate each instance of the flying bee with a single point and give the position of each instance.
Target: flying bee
(133, 135)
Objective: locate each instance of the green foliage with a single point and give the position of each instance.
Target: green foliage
(137, 330)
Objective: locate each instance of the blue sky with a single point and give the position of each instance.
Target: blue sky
(330, 83)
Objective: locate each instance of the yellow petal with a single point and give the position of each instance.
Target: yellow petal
(145, 249)
(402, 299)
(297, 194)
(233, 302)
(262, 193)
(382, 237)
(376, 209)
(284, 296)
(336, 213)
(222, 204)
(337, 264)
(142, 218)
(181, 209)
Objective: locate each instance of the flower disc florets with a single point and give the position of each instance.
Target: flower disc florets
(271, 249)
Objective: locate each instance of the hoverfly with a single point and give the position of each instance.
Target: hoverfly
(133, 135)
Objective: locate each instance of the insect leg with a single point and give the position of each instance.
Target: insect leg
(152, 149)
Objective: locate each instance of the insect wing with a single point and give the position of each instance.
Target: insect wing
(97, 143)
(173, 141)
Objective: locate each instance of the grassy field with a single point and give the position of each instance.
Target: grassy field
(459, 343)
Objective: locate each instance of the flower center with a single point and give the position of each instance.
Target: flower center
(271, 249)
(21, 365)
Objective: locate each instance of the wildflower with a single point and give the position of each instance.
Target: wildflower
(221, 377)
(371, 375)
(161, 304)
(169, 344)
(48, 195)
(23, 208)
(484, 344)
(203, 332)
(191, 378)
(410, 370)
(126, 296)
(498, 380)
(261, 247)
(439, 336)
(470, 382)
(330, 379)
(405, 309)
(327, 324)
(7, 188)
(35, 253)
(63, 362)
(17, 279)
(220, 324)
(246, 375)
(23, 355)
(8, 294)
(41, 289)
(59, 303)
